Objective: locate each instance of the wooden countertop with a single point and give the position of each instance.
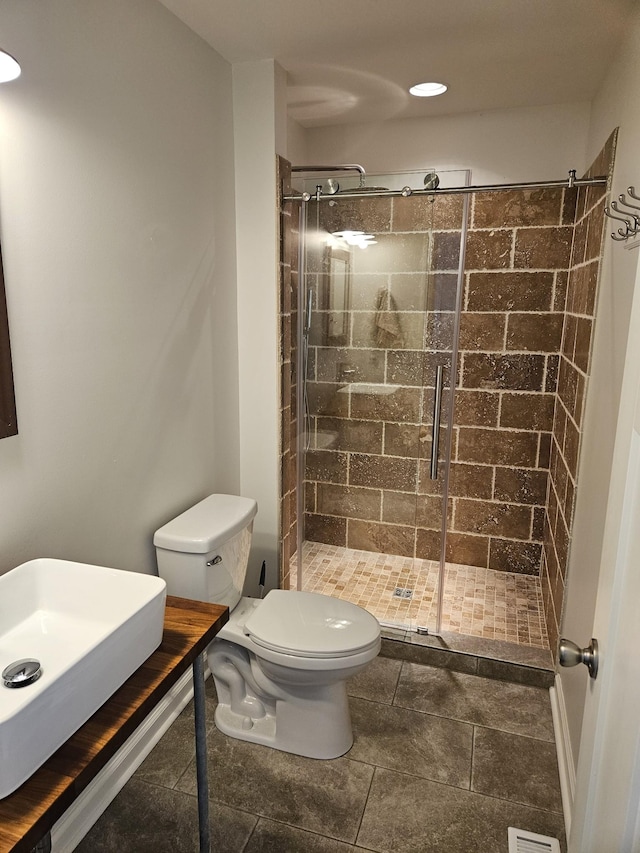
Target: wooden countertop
(29, 813)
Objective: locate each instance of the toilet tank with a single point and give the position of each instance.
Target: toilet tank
(204, 552)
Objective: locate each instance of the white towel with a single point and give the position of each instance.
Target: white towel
(388, 331)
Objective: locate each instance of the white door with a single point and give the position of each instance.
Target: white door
(606, 816)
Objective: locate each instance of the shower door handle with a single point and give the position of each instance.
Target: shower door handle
(307, 319)
(435, 431)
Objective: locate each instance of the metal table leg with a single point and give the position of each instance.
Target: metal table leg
(44, 845)
(201, 754)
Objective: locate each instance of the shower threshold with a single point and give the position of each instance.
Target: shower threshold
(477, 602)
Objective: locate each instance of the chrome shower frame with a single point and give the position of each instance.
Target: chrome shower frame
(569, 182)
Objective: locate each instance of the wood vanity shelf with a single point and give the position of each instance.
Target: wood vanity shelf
(27, 815)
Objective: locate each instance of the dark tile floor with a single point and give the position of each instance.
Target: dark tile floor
(443, 762)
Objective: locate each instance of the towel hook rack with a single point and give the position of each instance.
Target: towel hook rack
(629, 219)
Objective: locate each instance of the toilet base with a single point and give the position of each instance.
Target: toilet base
(303, 727)
(286, 701)
(244, 728)
(306, 719)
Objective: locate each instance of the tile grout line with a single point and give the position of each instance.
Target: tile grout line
(366, 802)
(460, 720)
(473, 755)
(252, 833)
(447, 785)
(395, 689)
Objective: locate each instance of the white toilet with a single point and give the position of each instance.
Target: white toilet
(280, 664)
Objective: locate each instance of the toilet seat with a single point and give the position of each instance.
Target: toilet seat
(309, 625)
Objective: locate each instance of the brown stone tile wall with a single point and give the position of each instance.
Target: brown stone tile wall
(573, 372)
(288, 323)
(517, 256)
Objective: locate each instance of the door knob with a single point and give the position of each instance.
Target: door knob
(571, 655)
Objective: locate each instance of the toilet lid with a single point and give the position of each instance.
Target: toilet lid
(311, 625)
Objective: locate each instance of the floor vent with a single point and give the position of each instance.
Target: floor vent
(521, 841)
(401, 592)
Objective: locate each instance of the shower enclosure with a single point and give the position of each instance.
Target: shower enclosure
(435, 353)
(381, 284)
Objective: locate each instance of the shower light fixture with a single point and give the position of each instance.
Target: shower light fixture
(9, 68)
(355, 238)
(428, 90)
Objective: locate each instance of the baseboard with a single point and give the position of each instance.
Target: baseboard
(85, 811)
(566, 766)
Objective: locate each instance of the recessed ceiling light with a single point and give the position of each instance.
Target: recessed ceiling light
(9, 68)
(427, 90)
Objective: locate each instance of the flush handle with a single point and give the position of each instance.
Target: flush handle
(571, 655)
(217, 559)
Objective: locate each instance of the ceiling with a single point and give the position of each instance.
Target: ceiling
(353, 60)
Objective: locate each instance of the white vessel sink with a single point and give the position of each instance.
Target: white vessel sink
(90, 628)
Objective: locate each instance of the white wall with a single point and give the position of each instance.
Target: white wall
(117, 216)
(296, 143)
(525, 144)
(260, 134)
(617, 104)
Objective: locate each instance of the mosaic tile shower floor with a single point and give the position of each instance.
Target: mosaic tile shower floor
(477, 602)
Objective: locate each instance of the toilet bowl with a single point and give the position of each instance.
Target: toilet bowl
(281, 663)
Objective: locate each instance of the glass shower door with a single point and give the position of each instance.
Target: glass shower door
(436, 469)
(378, 337)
